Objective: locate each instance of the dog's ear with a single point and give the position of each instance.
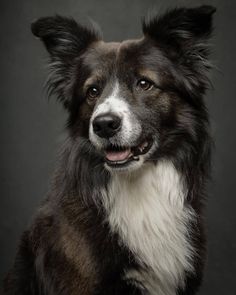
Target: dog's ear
(65, 40)
(183, 34)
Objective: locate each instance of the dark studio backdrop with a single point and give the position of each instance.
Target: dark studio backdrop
(33, 128)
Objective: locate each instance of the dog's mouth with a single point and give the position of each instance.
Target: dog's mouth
(118, 156)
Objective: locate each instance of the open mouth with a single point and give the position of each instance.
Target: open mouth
(117, 156)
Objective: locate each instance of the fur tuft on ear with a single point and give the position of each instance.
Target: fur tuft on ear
(65, 40)
(183, 34)
(180, 25)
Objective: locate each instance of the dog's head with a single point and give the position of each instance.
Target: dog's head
(136, 100)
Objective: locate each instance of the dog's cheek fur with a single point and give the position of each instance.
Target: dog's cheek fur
(79, 120)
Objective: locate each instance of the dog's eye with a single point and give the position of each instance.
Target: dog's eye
(93, 92)
(144, 84)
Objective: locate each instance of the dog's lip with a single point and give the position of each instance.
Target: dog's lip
(122, 155)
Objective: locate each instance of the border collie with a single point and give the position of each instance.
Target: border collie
(124, 213)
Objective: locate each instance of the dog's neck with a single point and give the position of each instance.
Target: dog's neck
(147, 209)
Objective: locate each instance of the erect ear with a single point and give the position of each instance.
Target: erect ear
(182, 33)
(65, 40)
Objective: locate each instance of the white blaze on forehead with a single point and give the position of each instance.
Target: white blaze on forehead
(112, 104)
(117, 105)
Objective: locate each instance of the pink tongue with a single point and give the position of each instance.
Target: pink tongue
(118, 156)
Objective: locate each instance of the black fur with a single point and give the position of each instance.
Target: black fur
(182, 34)
(65, 40)
(69, 248)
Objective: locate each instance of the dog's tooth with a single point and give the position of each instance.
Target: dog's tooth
(136, 158)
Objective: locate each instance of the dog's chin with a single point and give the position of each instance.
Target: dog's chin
(127, 158)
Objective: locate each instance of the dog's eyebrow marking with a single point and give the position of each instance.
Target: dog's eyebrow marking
(93, 79)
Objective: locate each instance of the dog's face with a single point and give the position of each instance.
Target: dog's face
(127, 101)
(134, 100)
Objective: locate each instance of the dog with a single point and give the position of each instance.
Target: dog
(124, 214)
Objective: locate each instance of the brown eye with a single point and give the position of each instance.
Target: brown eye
(93, 92)
(144, 84)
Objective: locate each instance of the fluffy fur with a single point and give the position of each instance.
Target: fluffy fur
(147, 210)
(124, 213)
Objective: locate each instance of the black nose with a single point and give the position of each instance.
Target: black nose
(106, 125)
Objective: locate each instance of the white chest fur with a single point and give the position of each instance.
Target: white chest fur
(147, 210)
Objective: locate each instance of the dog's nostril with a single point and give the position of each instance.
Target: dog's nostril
(106, 125)
(96, 126)
(114, 124)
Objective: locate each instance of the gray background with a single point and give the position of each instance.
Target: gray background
(33, 128)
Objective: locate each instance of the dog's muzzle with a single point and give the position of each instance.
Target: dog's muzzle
(109, 129)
